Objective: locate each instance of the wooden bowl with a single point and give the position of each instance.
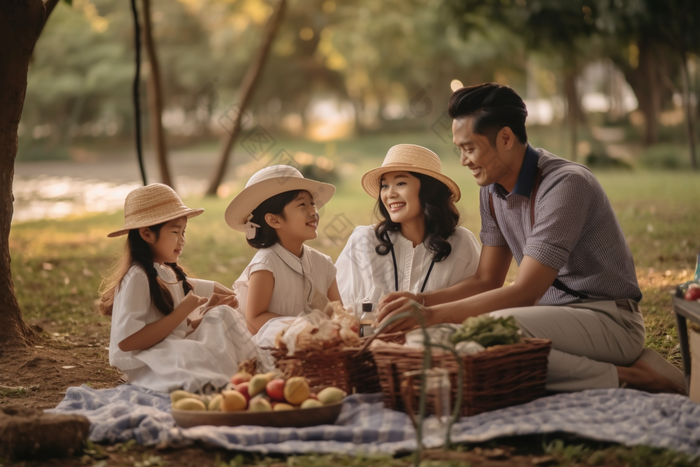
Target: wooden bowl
(299, 418)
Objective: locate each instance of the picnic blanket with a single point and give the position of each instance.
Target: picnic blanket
(624, 416)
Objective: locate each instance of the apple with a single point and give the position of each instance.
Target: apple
(693, 293)
(240, 377)
(243, 389)
(275, 389)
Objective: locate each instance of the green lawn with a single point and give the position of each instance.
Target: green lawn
(58, 264)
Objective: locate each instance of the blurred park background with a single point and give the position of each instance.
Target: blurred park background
(609, 83)
(612, 84)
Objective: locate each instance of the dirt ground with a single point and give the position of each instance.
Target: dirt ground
(38, 376)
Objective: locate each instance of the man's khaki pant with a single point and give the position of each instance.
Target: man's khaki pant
(588, 341)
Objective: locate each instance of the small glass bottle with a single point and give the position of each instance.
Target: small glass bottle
(367, 319)
(681, 289)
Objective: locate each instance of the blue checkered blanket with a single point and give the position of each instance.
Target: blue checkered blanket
(624, 416)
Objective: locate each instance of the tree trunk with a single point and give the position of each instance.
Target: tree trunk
(245, 93)
(21, 22)
(155, 98)
(572, 109)
(690, 126)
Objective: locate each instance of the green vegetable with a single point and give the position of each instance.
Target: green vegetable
(488, 331)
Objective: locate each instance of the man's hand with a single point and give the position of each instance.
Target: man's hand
(400, 305)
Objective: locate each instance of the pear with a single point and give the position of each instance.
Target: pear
(296, 390)
(232, 401)
(331, 395)
(180, 394)
(257, 383)
(311, 404)
(282, 406)
(259, 404)
(215, 402)
(189, 403)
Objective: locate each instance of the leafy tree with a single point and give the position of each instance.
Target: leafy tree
(664, 34)
(555, 27)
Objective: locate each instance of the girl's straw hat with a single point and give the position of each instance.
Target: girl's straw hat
(408, 158)
(267, 183)
(152, 205)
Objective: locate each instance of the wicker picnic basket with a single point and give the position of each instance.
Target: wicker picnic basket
(497, 377)
(347, 368)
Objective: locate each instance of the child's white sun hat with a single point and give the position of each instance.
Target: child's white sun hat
(152, 205)
(408, 158)
(267, 183)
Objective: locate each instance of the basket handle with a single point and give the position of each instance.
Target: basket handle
(371, 338)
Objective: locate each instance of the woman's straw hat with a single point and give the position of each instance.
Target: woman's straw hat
(152, 205)
(267, 183)
(408, 158)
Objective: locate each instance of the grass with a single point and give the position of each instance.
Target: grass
(58, 264)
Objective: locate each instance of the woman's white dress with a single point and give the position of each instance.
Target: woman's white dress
(364, 274)
(209, 354)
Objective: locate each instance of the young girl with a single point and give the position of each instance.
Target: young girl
(168, 330)
(278, 212)
(417, 245)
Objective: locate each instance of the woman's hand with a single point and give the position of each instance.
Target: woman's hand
(220, 289)
(391, 296)
(403, 304)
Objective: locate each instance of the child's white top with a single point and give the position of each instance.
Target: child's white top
(364, 274)
(209, 354)
(292, 291)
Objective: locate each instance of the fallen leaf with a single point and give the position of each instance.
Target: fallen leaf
(47, 266)
(496, 453)
(68, 367)
(546, 460)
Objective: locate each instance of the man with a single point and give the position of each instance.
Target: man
(576, 283)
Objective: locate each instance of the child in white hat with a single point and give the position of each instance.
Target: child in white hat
(168, 330)
(278, 212)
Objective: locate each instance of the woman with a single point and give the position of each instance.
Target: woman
(417, 246)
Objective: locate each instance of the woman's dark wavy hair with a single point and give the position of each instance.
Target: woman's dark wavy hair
(266, 236)
(493, 107)
(441, 218)
(138, 251)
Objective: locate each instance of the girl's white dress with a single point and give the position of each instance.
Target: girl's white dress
(300, 284)
(209, 354)
(364, 274)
